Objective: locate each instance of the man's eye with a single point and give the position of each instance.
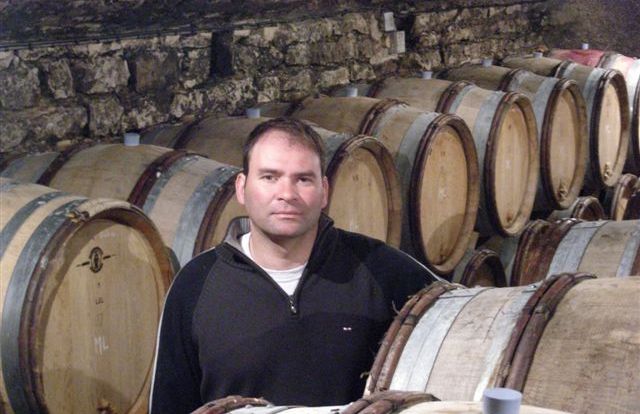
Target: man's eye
(268, 177)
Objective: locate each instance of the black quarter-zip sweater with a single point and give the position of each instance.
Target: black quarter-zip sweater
(228, 329)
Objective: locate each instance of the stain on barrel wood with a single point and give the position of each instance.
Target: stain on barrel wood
(78, 325)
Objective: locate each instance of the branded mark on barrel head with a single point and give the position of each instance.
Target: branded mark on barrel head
(100, 344)
(96, 260)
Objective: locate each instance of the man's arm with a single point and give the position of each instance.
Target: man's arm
(177, 375)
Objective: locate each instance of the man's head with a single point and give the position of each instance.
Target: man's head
(283, 187)
(299, 132)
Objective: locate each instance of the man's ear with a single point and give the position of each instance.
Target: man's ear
(325, 188)
(240, 182)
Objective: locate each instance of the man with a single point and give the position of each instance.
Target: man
(288, 307)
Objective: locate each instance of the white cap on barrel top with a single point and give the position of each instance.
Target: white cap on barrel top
(426, 74)
(253, 112)
(501, 401)
(486, 62)
(537, 54)
(351, 91)
(584, 46)
(131, 139)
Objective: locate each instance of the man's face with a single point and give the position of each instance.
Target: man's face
(284, 191)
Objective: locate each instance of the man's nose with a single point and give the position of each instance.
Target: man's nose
(287, 189)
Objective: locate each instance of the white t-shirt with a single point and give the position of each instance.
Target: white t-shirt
(287, 279)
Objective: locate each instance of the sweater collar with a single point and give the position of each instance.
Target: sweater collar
(241, 225)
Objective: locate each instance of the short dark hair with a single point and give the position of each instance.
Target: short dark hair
(300, 131)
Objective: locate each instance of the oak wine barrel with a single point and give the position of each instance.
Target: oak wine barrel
(435, 157)
(82, 282)
(586, 208)
(190, 198)
(504, 130)
(616, 199)
(605, 248)
(630, 69)
(608, 121)
(480, 267)
(552, 341)
(561, 120)
(364, 186)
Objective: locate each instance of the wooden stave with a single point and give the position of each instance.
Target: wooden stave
(152, 169)
(47, 240)
(447, 96)
(545, 101)
(376, 117)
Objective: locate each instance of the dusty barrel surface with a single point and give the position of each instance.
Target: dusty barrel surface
(504, 131)
(480, 267)
(435, 157)
(455, 343)
(190, 198)
(608, 119)
(561, 120)
(605, 248)
(365, 193)
(630, 69)
(587, 208)
(82, 282)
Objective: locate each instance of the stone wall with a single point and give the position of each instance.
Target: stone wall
(52, 96)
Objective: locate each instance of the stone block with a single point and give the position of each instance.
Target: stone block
(354, 22)
(59, 78)
(198, 40)
(105, 114)
(268, 89)
(101, 74)
(6, 59)
(330, 78)
(298, 54)
(361, 72)
(144, 113)
(19, 87)
(299, 81)
(39, 124)
(190, 102)
(196, 67)
(155, 70)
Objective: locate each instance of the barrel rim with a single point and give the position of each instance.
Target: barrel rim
(132, 216)
(479, 258)
(526, 206)
(429, 136)
(560, 87)
(615, 78)
(390, 175)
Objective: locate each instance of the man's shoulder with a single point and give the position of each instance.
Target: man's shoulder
(192, 275)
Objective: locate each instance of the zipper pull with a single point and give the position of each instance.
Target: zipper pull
(292, 307)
